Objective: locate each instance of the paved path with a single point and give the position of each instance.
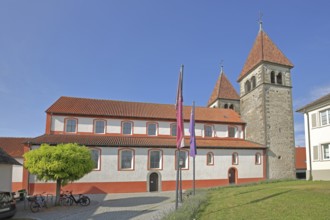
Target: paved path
(135, 206)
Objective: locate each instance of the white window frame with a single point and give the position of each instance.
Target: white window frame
(148, 131)
(327, 117)
(186, 161)
(67, 120)
(258, 159)
(160, 162)
(206, 132)
(209, 159)
(121, 159)
(124, 123)
(235, 158)
(98, 162)
(323, 151)
(95, 126)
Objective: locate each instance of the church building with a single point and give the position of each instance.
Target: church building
(241, 137)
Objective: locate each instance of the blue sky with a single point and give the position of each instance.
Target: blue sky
(132, 51)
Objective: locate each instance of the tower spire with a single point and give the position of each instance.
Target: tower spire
(260, 20)
(221, 66)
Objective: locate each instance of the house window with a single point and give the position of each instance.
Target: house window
(71, 125)
(208, 131)
(325, 117)
(226, 106)
(126, 159)
(152, 129)
(95, 153)
(155, 159)
(315, 153)
(209, 159)
(313, 118)
(127, 127)
(183, 159)
(231, 106)
(99, 127)
(326, 153)
(232, 131)
(258, 158)
(235, 159)
(173, 129)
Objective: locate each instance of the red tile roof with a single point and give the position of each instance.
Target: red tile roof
(13, 145)
(263, 50)
(133, 141)
(301, 158)
(223, 90)
(121, 109)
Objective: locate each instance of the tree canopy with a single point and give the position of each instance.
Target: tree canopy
(62, 163)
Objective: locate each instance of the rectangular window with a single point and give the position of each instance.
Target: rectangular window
(99, 127)
(235, 159)
(71, 125)
(326, 155)
(95, 153)
(126, 159)
(258, 159)
(208, 131)
(183, 159)
(152, 128)
(127, 128)
(325, 117)
(231, 132)
(315, 153)
(173, 129)
(155, 159)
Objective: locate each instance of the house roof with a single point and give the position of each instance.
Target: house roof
(13, 145)
(7, 159)
(263, 50)
(136, 141)
(121, 109)
(223, 90)
(323, 99)
(301, 158)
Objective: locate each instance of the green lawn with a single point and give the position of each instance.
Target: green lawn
(278, 200)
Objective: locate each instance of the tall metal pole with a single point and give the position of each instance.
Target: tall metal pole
(180, 183)
(177, 181)
(194, 174)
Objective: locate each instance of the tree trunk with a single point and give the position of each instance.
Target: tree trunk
(58, 190)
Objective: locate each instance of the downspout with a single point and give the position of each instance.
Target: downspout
(309, 148)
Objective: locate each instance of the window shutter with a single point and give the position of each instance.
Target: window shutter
(315, 153)
(314, 120)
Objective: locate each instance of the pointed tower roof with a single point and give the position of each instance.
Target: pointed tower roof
(263, 50)
(223, 90)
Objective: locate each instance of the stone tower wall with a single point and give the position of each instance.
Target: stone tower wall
(267, 109)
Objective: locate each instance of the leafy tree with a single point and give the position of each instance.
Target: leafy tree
(63, 163)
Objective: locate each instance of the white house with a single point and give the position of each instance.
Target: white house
(6, 170)
(317, 130)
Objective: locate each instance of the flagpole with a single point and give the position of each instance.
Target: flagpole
(194, 175)
(177, 181)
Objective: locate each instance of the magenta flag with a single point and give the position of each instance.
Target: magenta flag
(179, 113)
(193, 150)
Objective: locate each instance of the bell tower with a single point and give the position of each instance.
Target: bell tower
(266, 105)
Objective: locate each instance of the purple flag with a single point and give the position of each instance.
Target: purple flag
(179, 113)
(193, 150)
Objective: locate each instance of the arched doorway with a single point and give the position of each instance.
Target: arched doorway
(153, 182)
(232, 176)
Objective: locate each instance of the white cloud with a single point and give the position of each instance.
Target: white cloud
(300, 139)
(319, 92)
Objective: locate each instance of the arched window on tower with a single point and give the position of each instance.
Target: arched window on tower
(247, 86)
(225, 106)
(279, 78)
(231, 106)
(272, 77)
(253, 80)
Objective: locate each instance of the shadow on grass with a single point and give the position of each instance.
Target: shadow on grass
(253, 201)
